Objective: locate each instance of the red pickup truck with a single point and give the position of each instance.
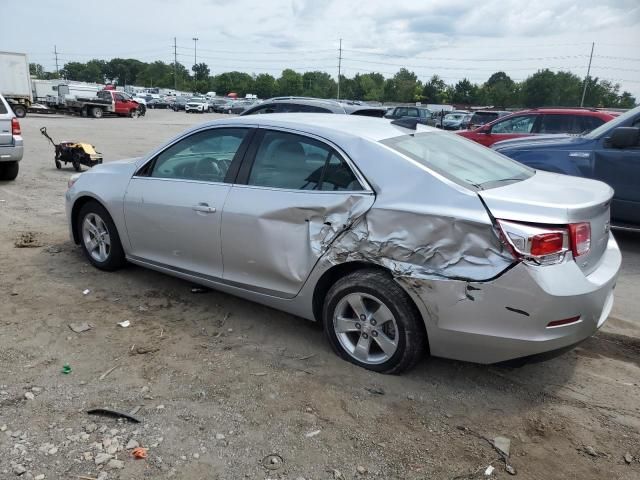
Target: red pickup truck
(105, 101)
(538, 121)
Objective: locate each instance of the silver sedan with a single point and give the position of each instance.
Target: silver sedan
(400, 238)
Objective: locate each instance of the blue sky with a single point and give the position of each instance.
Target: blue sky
(452, 38)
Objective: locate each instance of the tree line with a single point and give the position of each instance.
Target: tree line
(543, 88)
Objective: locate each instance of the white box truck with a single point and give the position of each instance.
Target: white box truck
(15, 81)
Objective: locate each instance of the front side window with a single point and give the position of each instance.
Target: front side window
(589, 123)
(519, 124)
(294, 162)
(466, 163)
(401, 112)
(204, 156)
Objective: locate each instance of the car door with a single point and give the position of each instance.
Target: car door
(295, 194)
(173, 204)
(620, 168)
(511, 127)
(120, 104)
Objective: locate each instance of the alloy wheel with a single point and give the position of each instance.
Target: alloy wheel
(95, 236)
(366, 328)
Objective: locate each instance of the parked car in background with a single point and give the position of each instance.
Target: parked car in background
(214, 102)
(179, 103)
(196, 104)
(312, 105)
(453, 120)
(158, 103)
(539, 121)
(482, 117)
(239, 106)
(223, 105)
(610, 153)
(397, 241)
(11, 145)
(466, 121)
(423, 115)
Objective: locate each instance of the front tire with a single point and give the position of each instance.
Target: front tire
(99, 237)
(133, 113)
(9, 170)
(371, 322)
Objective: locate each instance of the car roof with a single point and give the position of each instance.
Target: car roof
(327, 126)
(590, 112)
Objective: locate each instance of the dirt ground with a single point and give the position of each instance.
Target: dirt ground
(220, 383)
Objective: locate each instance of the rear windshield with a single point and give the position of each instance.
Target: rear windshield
(460, 160)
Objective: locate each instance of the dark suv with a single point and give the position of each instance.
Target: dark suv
(610, 153)
(312, 105)
(539, 121)
(422, 114)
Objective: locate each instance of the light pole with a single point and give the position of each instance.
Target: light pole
(195, 61)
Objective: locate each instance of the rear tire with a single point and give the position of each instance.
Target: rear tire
(9, 170)
(383, 332)
(99, 237)
(96, 112)
(19, 110)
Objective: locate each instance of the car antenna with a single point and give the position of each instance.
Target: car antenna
(410, 123)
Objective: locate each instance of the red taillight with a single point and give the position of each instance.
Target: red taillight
(580, 234)
(15, 126)
(547, 243)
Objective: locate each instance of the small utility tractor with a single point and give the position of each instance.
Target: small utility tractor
(77, 154)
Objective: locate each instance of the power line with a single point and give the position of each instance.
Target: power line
(474, 59)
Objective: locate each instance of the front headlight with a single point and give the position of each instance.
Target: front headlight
(73, 179)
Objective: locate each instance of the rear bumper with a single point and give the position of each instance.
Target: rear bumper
(12, 153)
(507, 318)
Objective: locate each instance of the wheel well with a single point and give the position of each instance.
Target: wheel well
(334, 274)
(75, 211)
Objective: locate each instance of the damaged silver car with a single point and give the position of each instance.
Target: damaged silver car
(400, 238)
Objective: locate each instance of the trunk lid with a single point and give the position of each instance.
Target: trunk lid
(553, 199)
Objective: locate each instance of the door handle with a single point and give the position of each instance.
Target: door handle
(204, 208)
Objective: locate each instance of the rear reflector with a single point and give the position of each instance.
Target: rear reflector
(580, 234)
(15, 127)
(547, 243)
(562, 323)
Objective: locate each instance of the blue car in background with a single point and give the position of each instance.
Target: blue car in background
(610, 153)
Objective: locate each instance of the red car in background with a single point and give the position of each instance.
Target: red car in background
(539, 121)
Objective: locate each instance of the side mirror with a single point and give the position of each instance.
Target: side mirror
(624, 137)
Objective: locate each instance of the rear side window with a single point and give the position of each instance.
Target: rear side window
(271, 108)
(466, 163)
(294, 162)
(589, 123)
(412, 112)
(3, 108)
(480, 118)
(560, 124)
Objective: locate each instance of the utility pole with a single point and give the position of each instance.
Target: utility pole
(175, 65)
(586, 80)
(339, 68)
(195, 57)
(55, 52)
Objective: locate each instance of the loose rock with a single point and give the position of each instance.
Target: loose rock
(131, 444)
(102, 458)
(115, 464)
(361, 470)
(589, 450)
(29, 396)
(19, 469)
(628, 457)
